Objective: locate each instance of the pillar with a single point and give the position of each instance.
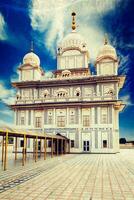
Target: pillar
(24, 151)
(36, 148)
(33, 147)
(3, 140)
(52, 147)
(61, 146)
(65, 146)
(16, 148)
(57, 146)
(40, 146)
(6, 145)
(45, 146)
(68, 146)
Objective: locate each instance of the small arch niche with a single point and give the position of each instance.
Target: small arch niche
(77, 92)
(45, 94)
(66, 73)
(61, 93)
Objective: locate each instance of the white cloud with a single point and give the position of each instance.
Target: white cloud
(6, 95)
(3, 35)
(15, 76)
(126, 100)
(6, 124)
(4, 92)
(124, 61)
(53, 19)
(6, 112)
(9, 100)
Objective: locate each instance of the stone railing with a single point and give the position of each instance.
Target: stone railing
(65, 99)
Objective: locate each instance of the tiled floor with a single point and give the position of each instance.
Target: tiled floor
(72, 177)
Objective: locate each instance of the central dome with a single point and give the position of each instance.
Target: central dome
(73, 40)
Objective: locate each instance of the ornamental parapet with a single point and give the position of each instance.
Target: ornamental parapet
(69, 99)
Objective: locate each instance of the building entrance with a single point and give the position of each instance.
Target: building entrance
(86, 146)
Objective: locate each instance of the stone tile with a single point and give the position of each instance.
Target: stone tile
(82, 176)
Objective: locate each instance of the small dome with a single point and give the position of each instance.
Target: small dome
(73, 40)
(31, 58)
(107, 51)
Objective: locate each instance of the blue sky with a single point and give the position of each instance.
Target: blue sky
(46, 22)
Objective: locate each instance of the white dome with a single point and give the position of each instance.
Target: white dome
(107, 51)
(31, 58)
(73, 40)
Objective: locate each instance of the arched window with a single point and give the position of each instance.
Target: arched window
(45, 94)
(77, 94)
(61, 93)
(111, 92)
(17, 96)
(66, 73)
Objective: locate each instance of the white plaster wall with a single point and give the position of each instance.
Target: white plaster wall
(72, 59)
(107, 67)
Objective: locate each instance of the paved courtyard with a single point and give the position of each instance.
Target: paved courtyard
(79, 176)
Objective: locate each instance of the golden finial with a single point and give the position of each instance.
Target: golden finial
(32, 46)
(105, 39)
(73, 21)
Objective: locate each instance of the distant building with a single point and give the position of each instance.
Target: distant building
(71, 101)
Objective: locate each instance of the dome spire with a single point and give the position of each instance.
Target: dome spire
(73, 21)
(32, 46)
(105, 39)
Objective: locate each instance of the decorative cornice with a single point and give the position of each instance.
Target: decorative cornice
(54, 82)
(41, 106)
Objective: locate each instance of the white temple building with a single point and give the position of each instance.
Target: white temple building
(73, 102)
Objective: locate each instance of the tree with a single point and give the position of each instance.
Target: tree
(123, 141)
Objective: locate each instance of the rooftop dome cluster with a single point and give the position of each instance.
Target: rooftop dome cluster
(74, 41)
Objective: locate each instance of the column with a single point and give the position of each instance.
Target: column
(45, 145)
(52, 147)
(33, 147)
(80, 126)
(16, 141)
(65, 146)
(98, 115)
(67, 117)
(61, 146)
(54, 117)
(42, 125)
(36, 148)
(3, 143)
(24, 151)
(57, 147)
(68, 146)
(26, 117)
(15, 117)
(94, 115)
(40, 147)
(6, 145)
(97, 90)
(32, 118)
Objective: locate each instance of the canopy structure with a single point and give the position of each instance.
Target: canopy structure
(59, 144)
(29, 133)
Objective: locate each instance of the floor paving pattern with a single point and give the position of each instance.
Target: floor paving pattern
(72, 177)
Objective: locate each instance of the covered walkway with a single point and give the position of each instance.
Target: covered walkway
(59, 144)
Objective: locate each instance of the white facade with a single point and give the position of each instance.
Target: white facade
(83, 107)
